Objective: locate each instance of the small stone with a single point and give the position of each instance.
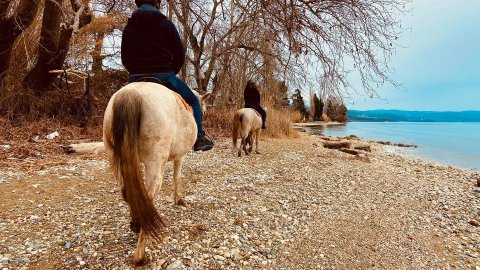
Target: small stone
(4, 260)
(235, 254)
(474, 223)
(471, 255)
(218, 257)
(82, 263)
(68, 245)
(175, 265)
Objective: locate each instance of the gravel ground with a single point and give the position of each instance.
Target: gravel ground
(296, 205)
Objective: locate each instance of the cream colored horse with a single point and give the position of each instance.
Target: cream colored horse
(246, 123)
(147, 123)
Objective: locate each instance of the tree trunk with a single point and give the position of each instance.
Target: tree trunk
(186, 15)
(11, 27)
(54, 42)
(4, 4)
(97, 66)
(48, 54)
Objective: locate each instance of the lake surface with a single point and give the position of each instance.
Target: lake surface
(456, 144)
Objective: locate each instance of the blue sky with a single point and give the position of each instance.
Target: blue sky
(439, 64)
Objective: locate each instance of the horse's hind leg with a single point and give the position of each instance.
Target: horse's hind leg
(246, 141)
(257, 136)
(242, 146)
(154, 168)
(250, 142)
(154, 177)
(139, 257)
(177, 182)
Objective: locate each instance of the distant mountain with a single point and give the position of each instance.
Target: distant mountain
(412, 116)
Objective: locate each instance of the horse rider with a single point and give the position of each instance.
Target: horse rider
(151, 47)
(251, 96)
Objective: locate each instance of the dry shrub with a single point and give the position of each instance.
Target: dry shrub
(25, 119)
(219, 120)
(27, 139)
(279, 124)
(64, 105)
(296, 116)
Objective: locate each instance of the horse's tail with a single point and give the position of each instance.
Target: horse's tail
(237, 121)
(126, 162)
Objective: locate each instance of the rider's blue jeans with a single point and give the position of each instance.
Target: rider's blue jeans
(173, 82)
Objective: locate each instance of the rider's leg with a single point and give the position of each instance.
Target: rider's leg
(202, 143)
(262, 112)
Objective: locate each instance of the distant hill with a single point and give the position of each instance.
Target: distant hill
(412, 116)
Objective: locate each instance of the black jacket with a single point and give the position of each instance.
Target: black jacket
(251, 96)
(151, 44)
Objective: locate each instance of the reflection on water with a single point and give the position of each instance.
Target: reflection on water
(456, 144)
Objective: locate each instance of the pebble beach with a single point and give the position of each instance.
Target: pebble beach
(296, 205)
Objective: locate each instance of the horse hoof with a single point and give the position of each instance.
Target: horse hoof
(141, 261)
(134, 227)
(181, 202)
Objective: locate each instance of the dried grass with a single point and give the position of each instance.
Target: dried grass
(218, 122)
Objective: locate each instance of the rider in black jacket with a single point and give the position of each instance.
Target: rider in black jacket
(151, 47)
(251, 96)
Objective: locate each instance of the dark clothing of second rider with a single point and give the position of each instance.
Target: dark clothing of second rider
(251, 96)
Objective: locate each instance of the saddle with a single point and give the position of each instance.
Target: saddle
(169, 86)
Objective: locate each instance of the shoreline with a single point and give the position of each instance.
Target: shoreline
(414, 156)
(392, 146)
(297, 205)
(317, 124)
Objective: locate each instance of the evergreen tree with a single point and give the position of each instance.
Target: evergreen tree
(318, 107)
(298, 103)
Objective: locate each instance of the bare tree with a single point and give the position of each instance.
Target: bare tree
(55, 35)
(110, 18)
(15, 17)
(341, 36)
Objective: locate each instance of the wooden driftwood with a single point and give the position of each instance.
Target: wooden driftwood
(85, 148)
(366, 147)
(337, 145)
(350, 151)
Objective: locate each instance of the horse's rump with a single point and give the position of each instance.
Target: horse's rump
(244, 122)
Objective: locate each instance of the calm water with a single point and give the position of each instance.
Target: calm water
(456, 144)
